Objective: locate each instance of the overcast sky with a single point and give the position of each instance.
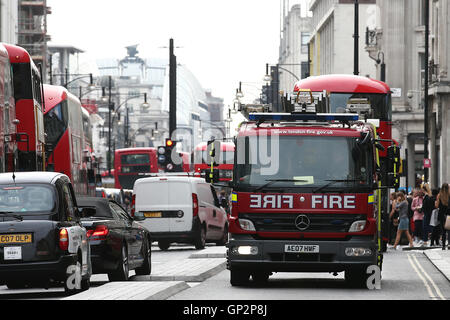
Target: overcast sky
(222, 41)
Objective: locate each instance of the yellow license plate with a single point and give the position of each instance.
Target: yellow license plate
(16, 238)
(153, 214)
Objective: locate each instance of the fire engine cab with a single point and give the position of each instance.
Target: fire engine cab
(305, 195)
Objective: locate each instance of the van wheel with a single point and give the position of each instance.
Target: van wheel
(200, 241)
(164, 245)
(122, 271)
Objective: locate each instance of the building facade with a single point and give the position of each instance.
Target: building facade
(9, 21)
(32, 30)
(398, 41)
(293, 57)
(332, 41)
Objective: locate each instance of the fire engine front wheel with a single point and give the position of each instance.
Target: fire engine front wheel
(356, 278)
(239, 278)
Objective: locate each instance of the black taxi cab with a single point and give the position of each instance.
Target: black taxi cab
(42, 242)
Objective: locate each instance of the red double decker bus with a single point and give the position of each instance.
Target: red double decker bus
(66, 139)
(29, 110)
(131, 164)
(370, 98)
(225, 160)
(7, 114)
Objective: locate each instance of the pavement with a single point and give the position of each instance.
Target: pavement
(440, 259)
(166, 279)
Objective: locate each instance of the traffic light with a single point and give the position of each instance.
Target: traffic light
(165, 160)
(394, 165)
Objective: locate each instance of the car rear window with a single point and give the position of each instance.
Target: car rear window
(26, 198)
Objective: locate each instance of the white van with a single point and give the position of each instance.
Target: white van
(180, 209)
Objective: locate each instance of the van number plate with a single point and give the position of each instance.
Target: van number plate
(153, 214)
(12, 253)
(296, 248)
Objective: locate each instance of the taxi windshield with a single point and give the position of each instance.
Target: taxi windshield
(303, 162)
(26, 198)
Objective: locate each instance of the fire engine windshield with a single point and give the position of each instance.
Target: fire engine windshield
(312, 162)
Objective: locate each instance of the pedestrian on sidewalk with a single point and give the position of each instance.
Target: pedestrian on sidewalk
(442, 203)
(435, 230)
(418, 215)
(403, 227)
(428, 206)
(393, 217)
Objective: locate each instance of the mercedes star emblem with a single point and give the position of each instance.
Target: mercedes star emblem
(302, 222)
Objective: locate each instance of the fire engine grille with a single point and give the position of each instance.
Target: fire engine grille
(285, 222)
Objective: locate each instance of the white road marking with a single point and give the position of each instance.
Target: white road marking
(429, 278)
(427, 286)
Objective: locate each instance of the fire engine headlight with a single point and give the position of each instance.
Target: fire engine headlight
(246, 225)
(357, 226)
(245, 250)
(358, 252)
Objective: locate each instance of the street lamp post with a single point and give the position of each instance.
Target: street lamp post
(111, 117)
(274, 79)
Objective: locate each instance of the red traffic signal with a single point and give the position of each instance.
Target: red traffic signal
(169, 143)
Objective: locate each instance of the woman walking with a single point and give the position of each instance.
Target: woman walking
(403, 227)
(442, 202)
(417, 208)
(428, 206)
(436, 229)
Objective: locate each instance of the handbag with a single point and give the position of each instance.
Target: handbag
(395, 222)
(447, 223)
(434, 220)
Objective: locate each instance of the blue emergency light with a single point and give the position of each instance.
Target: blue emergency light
(261, 117)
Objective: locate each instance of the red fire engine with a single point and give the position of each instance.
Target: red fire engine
(306, 195)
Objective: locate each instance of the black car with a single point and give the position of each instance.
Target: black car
(118, 243)
(42, 242)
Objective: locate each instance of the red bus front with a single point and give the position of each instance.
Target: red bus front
(225, 164)
(133, 163)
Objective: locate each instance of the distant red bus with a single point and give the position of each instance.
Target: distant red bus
(133, 163)
(29, 110)
(66, 139)
(7, 114)
(225, 160)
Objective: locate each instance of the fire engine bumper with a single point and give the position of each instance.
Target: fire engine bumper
(245, 253)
